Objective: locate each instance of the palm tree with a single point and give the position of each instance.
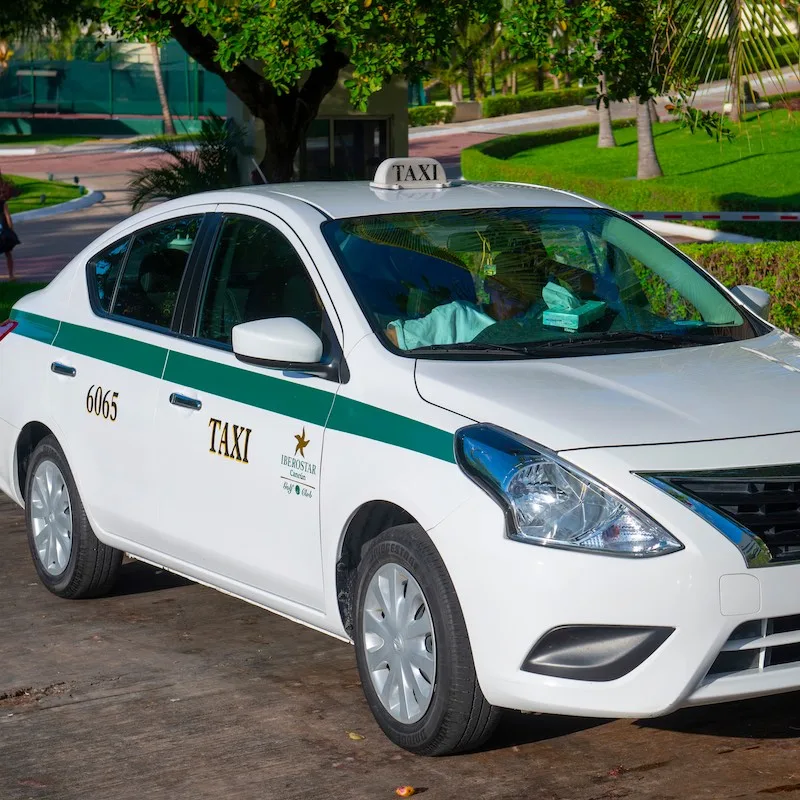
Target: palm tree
(210, 162)
(751, 32)
(169, 126)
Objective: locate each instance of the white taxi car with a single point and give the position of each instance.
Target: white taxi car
(517, 449)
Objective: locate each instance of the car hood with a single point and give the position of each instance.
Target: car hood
(737, 389)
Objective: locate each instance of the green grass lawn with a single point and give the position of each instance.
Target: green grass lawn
(757, 170)
(32, 190)
(11, 292)
(14, 140)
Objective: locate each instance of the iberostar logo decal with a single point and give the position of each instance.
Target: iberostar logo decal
(302, 443)
(299, 475)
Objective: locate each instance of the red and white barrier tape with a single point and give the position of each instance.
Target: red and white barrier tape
(723, 216)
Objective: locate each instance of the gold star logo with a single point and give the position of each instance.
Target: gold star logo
(302, 443)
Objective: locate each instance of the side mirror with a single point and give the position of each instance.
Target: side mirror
(757, 300)
(282, 343)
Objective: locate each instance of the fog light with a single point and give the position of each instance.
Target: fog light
(593, 652)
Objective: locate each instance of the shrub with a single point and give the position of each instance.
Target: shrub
(7, 189)
(429, 115)
(501, 104)
(771, 266)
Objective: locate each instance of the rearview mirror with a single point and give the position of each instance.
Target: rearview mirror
(282, 342)
(757, 300)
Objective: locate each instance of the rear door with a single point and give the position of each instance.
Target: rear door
(108, 359)
(242, 444)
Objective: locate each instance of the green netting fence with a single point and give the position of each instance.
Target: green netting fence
(113, 79)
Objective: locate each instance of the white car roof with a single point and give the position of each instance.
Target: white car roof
(339, 199)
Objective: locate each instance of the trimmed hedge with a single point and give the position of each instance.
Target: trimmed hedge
(429, 115)
(771, 266)
(501, 104)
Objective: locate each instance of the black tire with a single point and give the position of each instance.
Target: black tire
(458, 718)
(92, 567)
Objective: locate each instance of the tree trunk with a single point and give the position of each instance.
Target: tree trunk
(540, 79)
(653, 111)
(735, 13)
(453, 93)
(555, 79)
(286, 116)
(471, 79)
(605, 136)
(514, 82)
(647, 165)
(460, 92)
(169, 127)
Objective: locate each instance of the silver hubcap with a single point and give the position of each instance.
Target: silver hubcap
(399, 643)
(51, 516)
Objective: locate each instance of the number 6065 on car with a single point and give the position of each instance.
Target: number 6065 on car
(97, 402)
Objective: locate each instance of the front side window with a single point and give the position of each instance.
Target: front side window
(528, 281)
(255, 274)
(148, 289)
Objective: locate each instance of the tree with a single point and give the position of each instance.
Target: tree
(210, 164)
(281, 58)
(155, 54)
(623, 44)
(751, 31)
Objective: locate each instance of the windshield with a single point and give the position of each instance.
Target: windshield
(527, 282)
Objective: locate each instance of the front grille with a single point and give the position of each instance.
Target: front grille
(763, 500)
(758, 645)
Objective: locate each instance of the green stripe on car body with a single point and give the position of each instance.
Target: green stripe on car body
(141, 357)
(32, 326)
(251, 388)
(257, 389)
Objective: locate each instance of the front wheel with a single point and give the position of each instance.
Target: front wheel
(69, 559)
(412, 648)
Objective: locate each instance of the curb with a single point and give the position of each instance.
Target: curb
(18, 151)
(697, 234)
(723, 216)
(89, 199)
(81, 150)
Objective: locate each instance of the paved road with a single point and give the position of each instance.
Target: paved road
(48, 244)
(170, 689)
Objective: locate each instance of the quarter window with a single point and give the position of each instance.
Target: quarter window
(106, 267)
(154, 268)
(255, 274)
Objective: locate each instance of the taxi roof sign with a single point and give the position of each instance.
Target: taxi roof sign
(410, 173)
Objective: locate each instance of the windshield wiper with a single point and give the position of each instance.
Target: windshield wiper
(667, 337)
(472, 347)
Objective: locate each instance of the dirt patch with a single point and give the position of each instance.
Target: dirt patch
(14, 698)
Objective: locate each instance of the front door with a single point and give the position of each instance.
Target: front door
(241, 445)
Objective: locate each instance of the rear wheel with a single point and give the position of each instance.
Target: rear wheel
(69, 559)
(412, 648)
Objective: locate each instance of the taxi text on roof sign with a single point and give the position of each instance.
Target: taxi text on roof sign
(410, 173)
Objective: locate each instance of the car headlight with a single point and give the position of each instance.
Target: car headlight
(549, 502)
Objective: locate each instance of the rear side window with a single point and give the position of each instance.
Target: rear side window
(105, 267)
(148, 289)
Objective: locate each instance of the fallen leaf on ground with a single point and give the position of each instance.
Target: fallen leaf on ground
(356, 737)
(404, 791)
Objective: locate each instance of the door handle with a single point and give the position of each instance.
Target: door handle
(63, 369)
(185, 402)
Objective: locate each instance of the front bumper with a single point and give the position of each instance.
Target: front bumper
(512, 594)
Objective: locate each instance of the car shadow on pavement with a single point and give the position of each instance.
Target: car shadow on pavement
(516, 728)
(773, 717)
(136, 577)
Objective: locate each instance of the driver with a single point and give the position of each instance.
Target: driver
(458, 321)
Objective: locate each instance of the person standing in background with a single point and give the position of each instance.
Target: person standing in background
(8, 238)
